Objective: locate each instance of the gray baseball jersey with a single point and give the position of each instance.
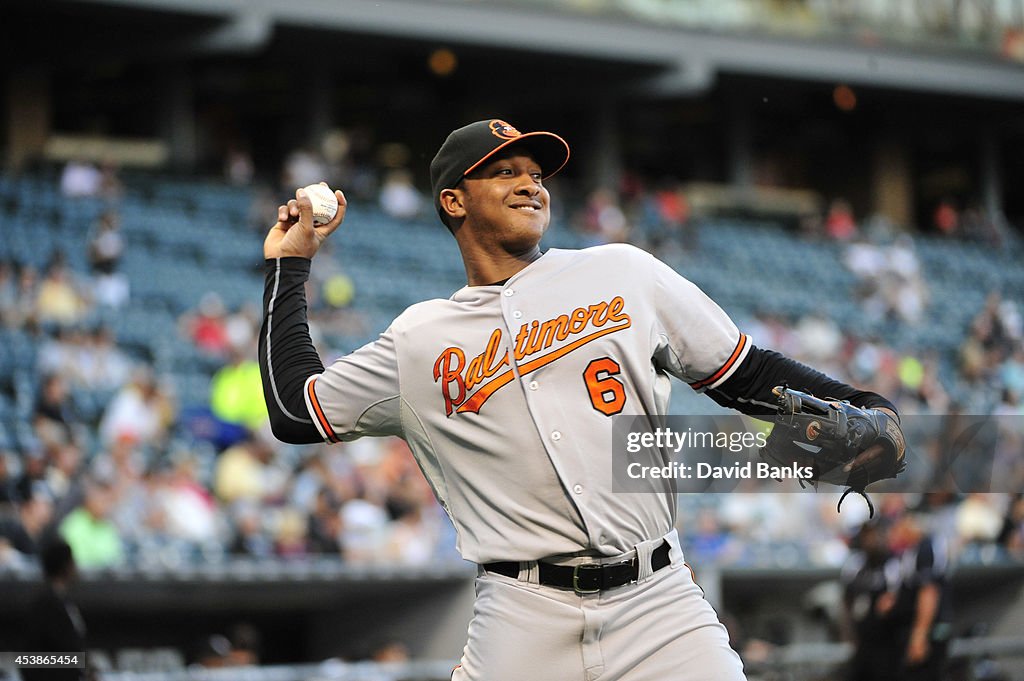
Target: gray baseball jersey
(505, 396)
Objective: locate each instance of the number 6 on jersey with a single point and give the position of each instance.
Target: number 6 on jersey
(607, 393)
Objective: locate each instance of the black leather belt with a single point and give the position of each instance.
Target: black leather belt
(589, 578)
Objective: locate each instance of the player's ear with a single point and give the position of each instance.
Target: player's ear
(452, 203)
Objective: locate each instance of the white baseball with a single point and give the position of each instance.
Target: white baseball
(325, 203)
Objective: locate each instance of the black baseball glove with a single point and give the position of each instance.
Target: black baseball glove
(841, 444)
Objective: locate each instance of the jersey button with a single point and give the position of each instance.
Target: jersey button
(556, 435)
(517, 314)
(508, 292)
(534, 385)
(578, 489)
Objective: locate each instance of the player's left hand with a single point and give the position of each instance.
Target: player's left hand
(871, 453)
(294, 234)
(840, 443)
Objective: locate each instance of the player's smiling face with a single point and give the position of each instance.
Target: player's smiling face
(506, 198)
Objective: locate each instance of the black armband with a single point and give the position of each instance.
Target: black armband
(749, 389)
(286, 353)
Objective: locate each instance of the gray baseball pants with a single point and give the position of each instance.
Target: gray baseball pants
(660, 628)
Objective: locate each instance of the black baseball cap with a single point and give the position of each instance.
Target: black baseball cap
(469, 147)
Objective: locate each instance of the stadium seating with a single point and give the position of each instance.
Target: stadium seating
(187, 238)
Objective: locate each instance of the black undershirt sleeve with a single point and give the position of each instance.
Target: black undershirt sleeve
(749, 389)
(286, 353)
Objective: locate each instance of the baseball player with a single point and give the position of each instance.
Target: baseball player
(505, 393)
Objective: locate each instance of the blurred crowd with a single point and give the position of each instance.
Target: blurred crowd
(113, 462)
(97, 448)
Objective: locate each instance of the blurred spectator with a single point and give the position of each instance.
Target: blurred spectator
(922, 604)
(89, 360)
(9, 493)
(121, 462)
(188, 507)
(241, 326)
(24, 528)
(945, 218)
(264, 202)
(34, 467)
(110, 288)
(325, 529)
(1009, 405)
(979, 518)
(106, 246)
(302, 168)
(80, 179)
(866, 592)
(55, 623)
(993, 337)
(341, 172)
(236, 393)
(361, 164)
(310, 478)
(54, 414)
(869, 359)
(290, 538)
(207, 326)
(102, 364)
(839, 222)
(250, 536)
(890, 282)
(139, 514)
(772, 331)
(414, 533)
(111, 186)
(879, 228)
(398, 197)
(978, 225)
(60, 300)
(63, 475)
(974, 358)
(246, 642)
(59, 353)
(239, 169)
(921, 384)
(390, 652)
(896, 603)
(364, 529)
(1011, 372)
(819, 339)
(22, 309)
(708, 539)
(603, 219)
(243, 472)
(93, 538)
(998, 323)
(212, 652)
(907, 290)
(865, 259)
(1011, 320)
(413, 537)
(671, 219)
(8, 292)
(331, 309)
(140, 410)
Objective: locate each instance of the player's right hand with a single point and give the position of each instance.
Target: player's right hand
(294, 234)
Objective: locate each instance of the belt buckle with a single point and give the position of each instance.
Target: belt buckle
(576, 578)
